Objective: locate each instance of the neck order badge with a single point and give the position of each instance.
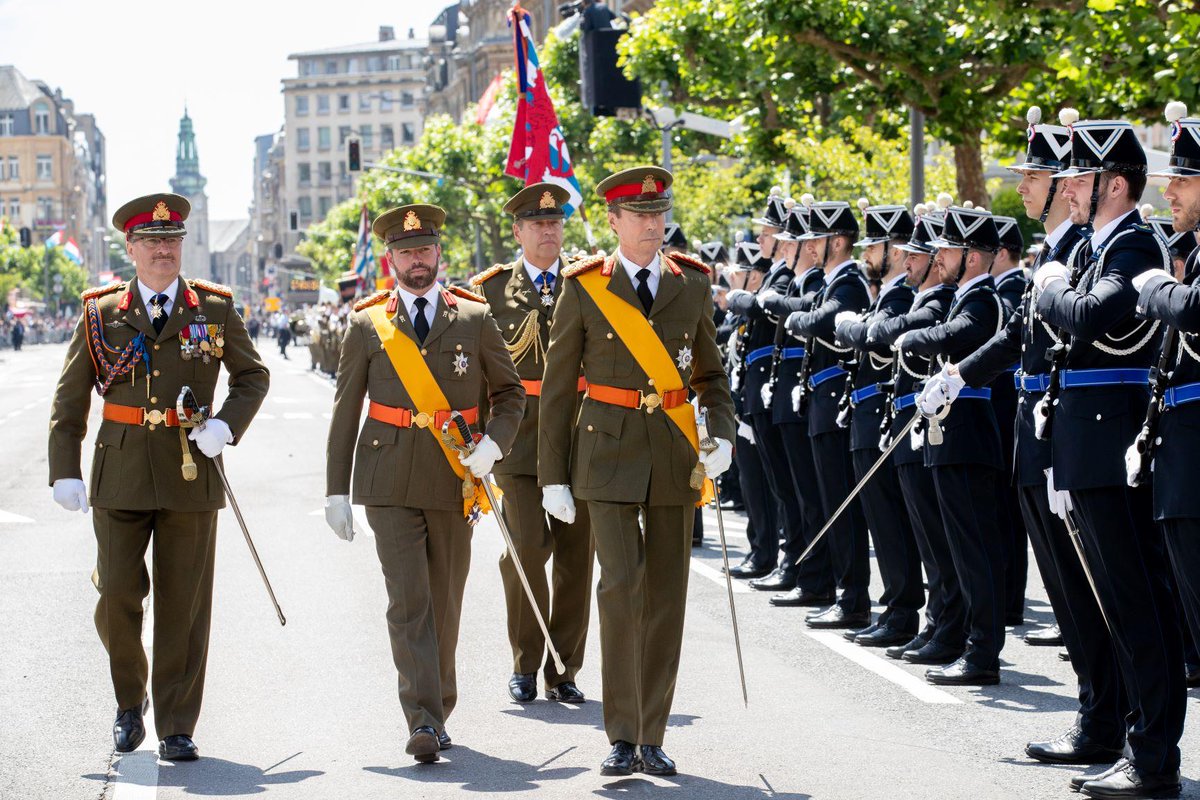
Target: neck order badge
(636, 334)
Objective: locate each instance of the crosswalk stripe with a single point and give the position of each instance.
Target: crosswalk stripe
(8, 516)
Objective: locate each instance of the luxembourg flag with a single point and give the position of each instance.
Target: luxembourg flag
(55, 239)
(71, 251)
(364, 256)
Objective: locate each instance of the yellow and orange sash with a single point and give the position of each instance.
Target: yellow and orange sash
(426, 395)
(649, 352)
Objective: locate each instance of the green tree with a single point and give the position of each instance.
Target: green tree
(26, 269)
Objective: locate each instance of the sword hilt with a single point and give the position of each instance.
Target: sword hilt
(464, 429)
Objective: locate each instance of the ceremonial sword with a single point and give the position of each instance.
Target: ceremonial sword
(1077, 541)
(707, 445)
(193, 415)
(468, 446)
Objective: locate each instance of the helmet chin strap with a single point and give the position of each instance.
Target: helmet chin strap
(962, 265)
(1091, 220)
(1049, 200)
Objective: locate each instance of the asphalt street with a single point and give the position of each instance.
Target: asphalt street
(310, 711)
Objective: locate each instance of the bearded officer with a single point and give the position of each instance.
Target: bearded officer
(521, 296)
(418, 353)
(138, 344)
(640, 325)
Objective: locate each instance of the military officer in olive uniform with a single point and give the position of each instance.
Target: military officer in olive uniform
(138, 344)
(417, 353)
(521, 296)
(640, 325)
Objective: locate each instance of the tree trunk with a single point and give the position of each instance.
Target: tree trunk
(968, 165)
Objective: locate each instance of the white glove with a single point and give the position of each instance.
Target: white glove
(1133, 465)
(846, 316)
(339, 516)
(942, 389)
(764, 296)
(745, 431)
(1059, 501)
(739, 300)
(718, 460)
(212, 438)
(482, 458)
(1140, 280)
(71, 494)
(1051, 271)
(898, 344)
(558, 502)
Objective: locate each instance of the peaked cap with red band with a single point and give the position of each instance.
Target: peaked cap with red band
(643, 189)
(160, 214)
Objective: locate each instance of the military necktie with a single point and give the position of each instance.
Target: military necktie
(643, 289)
(158, 312)
(420, 322)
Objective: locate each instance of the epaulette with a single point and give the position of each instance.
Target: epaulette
(374, 299)
(463, 293)
(580, 267)
(209, 286)
(96, 291)
(490, 272)
(690, 261)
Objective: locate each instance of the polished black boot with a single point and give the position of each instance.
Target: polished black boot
(129, 731)
(620, 760)
(522, 687)
(178, 748)
(1074, 747)
(651, 760)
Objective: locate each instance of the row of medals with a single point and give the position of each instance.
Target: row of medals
(202, 346)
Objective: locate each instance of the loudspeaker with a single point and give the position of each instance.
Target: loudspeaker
(603, 86)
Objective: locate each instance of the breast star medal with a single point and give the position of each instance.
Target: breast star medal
(684, 359)
(460, 364)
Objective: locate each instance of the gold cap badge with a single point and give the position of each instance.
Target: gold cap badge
(547, 200)
(648, 185)
(161, 212)
(411, 221)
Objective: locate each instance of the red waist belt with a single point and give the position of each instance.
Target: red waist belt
(136, 415)
(403, 418)
(636, 398)
(534, 388)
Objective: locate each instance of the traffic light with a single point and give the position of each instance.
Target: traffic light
(293, 221)
(26, 237)
(353, 155)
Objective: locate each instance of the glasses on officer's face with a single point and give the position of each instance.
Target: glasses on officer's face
(153, 242)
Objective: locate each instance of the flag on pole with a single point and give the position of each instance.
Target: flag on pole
(539, 150)
(71, 251)
(486, 112)
(55, 239)
(364, 256)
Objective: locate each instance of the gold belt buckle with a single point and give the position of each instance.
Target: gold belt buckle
(422, 420)
(154, 417)
(650, 401)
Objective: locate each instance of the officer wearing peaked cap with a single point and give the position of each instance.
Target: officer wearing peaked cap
(833, 228)
(967, 465)
(416, 354)
(522, 297)
(1103, 380)
(1025, 337)
(138, 344)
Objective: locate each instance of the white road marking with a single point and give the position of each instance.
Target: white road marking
(910, 683)
(8, 516)
(297, 415)
(716, 576)
(135, 775)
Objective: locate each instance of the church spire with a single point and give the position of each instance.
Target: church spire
(187, 181)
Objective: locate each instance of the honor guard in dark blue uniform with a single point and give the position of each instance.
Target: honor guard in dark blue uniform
(943, 637)
(1180, 244)
(861, 408)
(1103, 378)
(811, 583)
(968, 463)
(1098, 731)
(761, 507)
(830, 239)
(716, 254)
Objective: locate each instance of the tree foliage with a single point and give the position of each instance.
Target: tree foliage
(26, 268)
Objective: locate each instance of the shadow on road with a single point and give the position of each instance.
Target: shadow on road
(1015, 693)
(690, 786)
(587, 714)
(478, 772)
(214, 777)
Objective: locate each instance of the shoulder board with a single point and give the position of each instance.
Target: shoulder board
(488, 273)
(374, 299)
(580, 267)
(209, 286)
(463, 293)
(96, 291)
(1143, 227)
(690, 261)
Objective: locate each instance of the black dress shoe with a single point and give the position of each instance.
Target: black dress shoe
(698, 541)
(522, 687)
(1064, 656)
(962, 673)
(883, 636)
(1073, 747)
(799, 597)
(444, 740)
(565, 692)
(423, 745)
(837, 617)
(1077, 781)
(915, 643)
(129, 731)
(620, 760)
(932, 653)
(1046, 637)
(653, 761)
(178, 748)
(748, 569)
(780, 580)
(851, 635)
(1126, 782)
(1013, 620)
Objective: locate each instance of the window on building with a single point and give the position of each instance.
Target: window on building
(375, 64)
(302, 141)
(6, 124)
(344, 132)
(41, 121)
(351, 65)
(331, 67)
(387, 137)
(343, 174)
(364, 101)
(323, 205)
(366, 133)
(45, 168)
(408, 133)
(394, 64)
(322, 104)
(305, 208)
(406, 99)
(324, 138)
(45, 209)
(385, 100)
(14, 209)
(305, 173)
(14, 168)
(301, 105)
(325, 172)
(306, 68)
(343, 104)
